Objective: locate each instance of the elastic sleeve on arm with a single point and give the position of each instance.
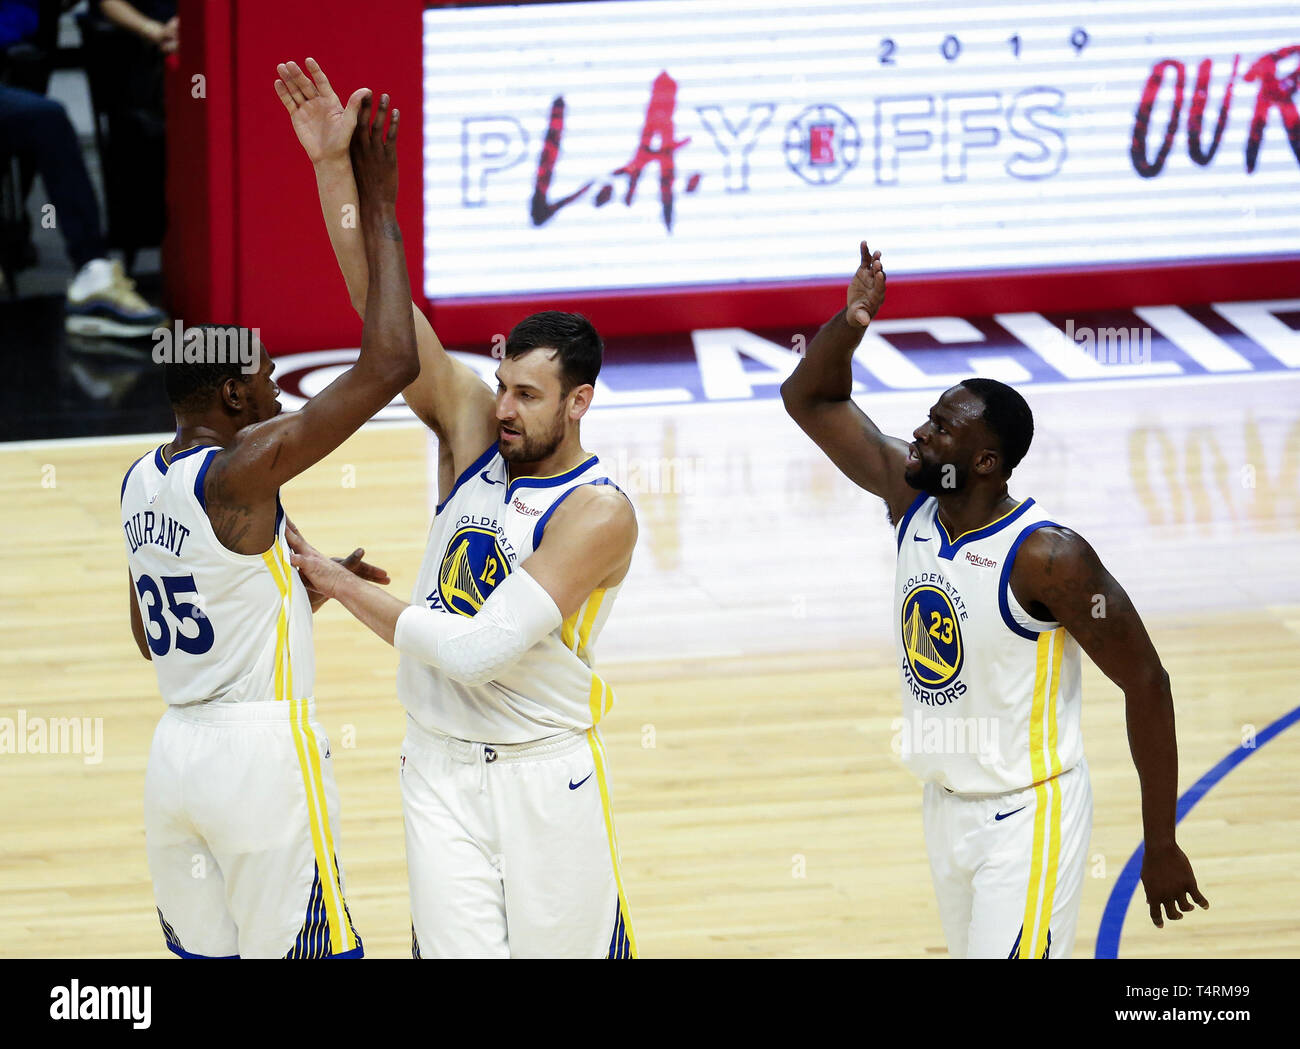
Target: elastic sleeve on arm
(476, 649)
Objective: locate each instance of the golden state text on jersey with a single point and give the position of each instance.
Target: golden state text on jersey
(477, 558)
(931, 618)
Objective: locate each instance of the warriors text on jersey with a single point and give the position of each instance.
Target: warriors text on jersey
(991, 695)
(221, 626)
(487, 527)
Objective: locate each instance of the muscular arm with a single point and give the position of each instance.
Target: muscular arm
(263, 457)
(446, 396)
(586, 546)
(818, 397)
(137, 624)
(1058, 576)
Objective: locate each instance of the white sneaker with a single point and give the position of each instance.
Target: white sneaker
(102, 300)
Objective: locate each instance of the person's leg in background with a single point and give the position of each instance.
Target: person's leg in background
(101, 299)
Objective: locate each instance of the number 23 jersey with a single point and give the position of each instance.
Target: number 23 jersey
(991, 696)
(487, 527)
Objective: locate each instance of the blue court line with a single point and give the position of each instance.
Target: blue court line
(1112, 918)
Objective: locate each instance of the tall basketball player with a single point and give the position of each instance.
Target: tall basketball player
(241, 808)
(993, 601)
(510, 841)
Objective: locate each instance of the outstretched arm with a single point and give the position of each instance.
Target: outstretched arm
(266, 455)
(818, 396)
(586, 546)
(1058, 576)
(447, 395)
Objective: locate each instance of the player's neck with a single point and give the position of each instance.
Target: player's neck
(568, 454)
(192, 432)
(973, 508)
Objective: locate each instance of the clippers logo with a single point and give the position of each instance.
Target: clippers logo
(821, 144)
(931, 636)
(472, 568)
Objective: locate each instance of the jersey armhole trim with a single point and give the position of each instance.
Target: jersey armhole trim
(1004, 584)
(200, 477)
(127, 476)
(908, 515)
(469, 471)
(540, 527)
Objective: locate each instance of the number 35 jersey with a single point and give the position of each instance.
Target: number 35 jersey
(222, 627)
(991, 695)
(487, 527)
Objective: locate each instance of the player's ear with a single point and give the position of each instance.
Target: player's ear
(580, 400)
(988, 462)
(233, 395)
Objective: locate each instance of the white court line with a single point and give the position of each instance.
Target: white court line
(662, 410)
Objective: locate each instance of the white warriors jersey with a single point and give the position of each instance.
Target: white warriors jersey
(222, 627)
(991, 696)
(487, 527)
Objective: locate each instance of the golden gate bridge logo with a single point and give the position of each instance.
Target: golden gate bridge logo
(471, 569)
(931, 636)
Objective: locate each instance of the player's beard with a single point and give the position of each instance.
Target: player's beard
(930, 476)
(534, 446)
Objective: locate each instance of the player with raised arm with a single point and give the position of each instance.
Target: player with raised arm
(993, 601)
(510, 849)
(241, 807)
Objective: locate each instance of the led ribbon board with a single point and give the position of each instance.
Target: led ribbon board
(653, 143)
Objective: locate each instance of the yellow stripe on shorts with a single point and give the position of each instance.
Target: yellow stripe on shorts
(1041, 891)
(342, 938)
(598, 759)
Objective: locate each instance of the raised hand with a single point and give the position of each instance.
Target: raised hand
(866, 289)
(374, 154)
(322, 124)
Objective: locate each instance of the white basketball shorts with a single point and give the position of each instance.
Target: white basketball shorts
(241, 823)
(510, 848)
(1008, 868)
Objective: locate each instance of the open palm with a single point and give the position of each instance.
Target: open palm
(866, 289)
(322, 124)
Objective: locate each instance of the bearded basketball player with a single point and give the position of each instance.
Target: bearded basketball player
(993, 601)
(510, 842)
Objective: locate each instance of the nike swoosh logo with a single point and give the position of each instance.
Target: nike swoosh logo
(488, 479)
(921, 539)
(575, 786)
(1004, 815)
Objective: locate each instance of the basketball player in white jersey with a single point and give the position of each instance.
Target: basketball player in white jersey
(241, 808)
(510, 842)
(993, 601)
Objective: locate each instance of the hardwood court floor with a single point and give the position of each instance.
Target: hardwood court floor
(760, 809)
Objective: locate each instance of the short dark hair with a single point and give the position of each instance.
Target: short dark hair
(191, 385)
(1007, 414)
(576, 342)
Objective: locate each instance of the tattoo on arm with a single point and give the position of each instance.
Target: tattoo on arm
(231, 519)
